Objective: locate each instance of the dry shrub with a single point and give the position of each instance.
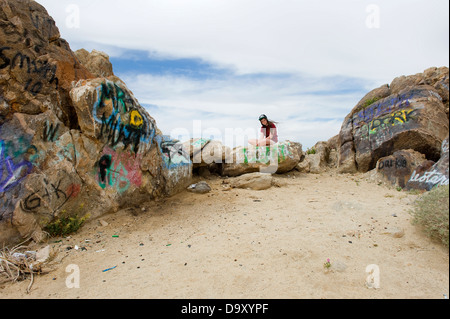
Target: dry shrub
(431, 212)
(18, 264)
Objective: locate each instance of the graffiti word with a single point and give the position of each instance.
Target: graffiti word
(45, 71)
(393, 119)
(11, 174)
(385, 106)
(53, 195)
(397, 163)
(266, 154)
(120, 119)
(434, 178)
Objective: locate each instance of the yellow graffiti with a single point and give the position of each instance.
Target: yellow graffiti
(393, 119)
(136, 119)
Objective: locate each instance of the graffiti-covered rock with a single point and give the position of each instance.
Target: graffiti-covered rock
(205, 152)
(397, 168)
(279, 158)
(37, 66)
(412, 113)
(427, 176)
(70, 143)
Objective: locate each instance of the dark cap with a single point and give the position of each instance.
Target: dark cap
(262, 116)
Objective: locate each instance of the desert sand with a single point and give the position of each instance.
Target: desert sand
(241, 244)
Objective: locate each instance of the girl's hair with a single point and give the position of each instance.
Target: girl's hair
(263, 116)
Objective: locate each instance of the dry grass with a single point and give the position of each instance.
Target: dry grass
(18, 264)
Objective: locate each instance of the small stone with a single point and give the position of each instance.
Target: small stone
(338, 266)
(103, 223)
(199, 188)
(395, 232)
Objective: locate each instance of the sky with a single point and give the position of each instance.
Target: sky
(209, 68)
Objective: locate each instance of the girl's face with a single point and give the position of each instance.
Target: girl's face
(264, 122)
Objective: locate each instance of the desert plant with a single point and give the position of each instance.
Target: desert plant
(370, 101)
(65, 225)
(431, 211)
(311, 150)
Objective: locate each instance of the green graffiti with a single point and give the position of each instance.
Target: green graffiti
(266, 154)
(116, 178)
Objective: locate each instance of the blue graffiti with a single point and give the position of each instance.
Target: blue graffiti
(387, 106)
(126, 123)
(11, 174)
(172, 152)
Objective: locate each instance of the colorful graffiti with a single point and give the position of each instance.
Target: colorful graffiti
(387, 106)
(382, 117)
(118, 171)
(172, 152)
(396, 118)
(387, 121)
(121, 120)
(11, 174)
(265, 154)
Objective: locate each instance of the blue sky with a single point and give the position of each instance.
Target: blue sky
(208, 67)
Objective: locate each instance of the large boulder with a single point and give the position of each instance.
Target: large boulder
(97, 62)
(411, 113)
(70, 143)
(279, 158)
(254, 181)
(397, 168)
(319, 159)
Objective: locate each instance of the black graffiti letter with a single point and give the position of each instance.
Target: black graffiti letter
(6, 61)
(104, 164)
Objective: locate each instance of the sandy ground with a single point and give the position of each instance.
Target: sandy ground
(242, 244)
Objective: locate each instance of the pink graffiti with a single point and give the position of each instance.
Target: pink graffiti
(124, 170)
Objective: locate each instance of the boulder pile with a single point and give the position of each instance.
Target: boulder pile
(73, 138)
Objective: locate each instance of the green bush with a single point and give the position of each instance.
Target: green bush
(65, 225)
(371, 101)
(311, 150)
(431, 212)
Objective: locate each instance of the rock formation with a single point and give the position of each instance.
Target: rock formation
(96, 62)
(75, 141)
(411, 113)
(71, 142)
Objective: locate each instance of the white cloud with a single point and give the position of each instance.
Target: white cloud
(320, 44)
(319, 38)
(234, 103)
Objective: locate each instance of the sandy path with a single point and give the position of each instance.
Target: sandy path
(254, 244)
